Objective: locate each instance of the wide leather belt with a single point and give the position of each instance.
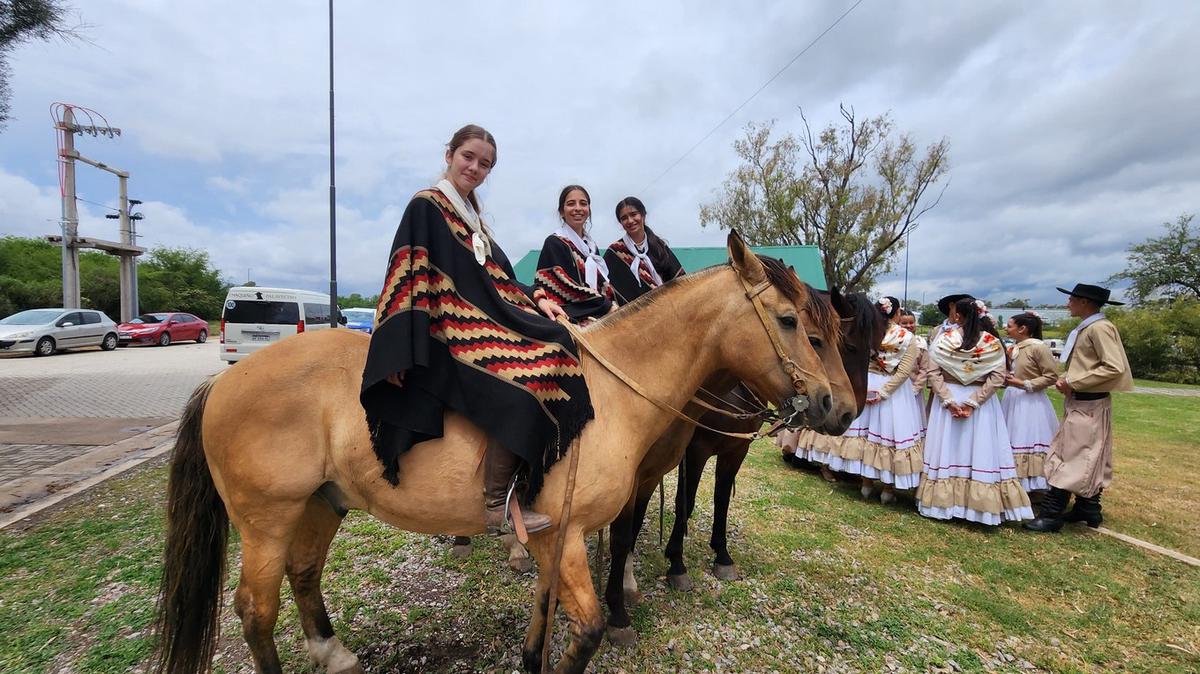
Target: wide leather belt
(1087, 395)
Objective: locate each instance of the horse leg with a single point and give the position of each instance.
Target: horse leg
(531, 651)
(620, 544)
(728, 464)
(518, 557)
(306, 562)
(691, 468)
(265, 547)
(628, 580)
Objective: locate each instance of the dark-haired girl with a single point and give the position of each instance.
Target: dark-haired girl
(447, 270)
(920, 370)
(887, 437)
(969, 469)
(571, 270)
(639, 261)
(1028, 413)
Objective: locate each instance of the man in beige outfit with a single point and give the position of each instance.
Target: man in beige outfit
(1080, 458)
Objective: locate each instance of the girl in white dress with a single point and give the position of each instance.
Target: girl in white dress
(969, 469)
(920, 371)
(1028, 413)
(884, 443)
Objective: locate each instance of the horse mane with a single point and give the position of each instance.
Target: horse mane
(866, 320)
(781, 276)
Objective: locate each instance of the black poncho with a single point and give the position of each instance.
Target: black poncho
(560, 272)
(628, 287)
(469, 339)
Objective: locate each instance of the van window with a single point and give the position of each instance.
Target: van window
(316, 313)
(260, 311)
(90, 317)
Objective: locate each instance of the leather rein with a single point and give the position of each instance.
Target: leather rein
(795, 405)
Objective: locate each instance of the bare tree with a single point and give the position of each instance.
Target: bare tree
(851, 190)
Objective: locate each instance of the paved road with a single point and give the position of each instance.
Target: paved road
(73, 418)
(127, 383)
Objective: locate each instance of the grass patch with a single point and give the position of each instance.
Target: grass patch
(829, 581)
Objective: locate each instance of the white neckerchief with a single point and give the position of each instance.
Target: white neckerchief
(594, 265)
(1066, 352)
(641, 257)
(937, 332)
(481, 240)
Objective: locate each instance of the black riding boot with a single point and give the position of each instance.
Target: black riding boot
(499, 464)
(1086, 510)
(1051, 518)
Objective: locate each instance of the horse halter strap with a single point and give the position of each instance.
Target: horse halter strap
(793, 370)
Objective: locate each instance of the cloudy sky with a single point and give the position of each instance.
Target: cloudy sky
(1072, 125)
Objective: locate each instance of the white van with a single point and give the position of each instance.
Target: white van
(255, 317)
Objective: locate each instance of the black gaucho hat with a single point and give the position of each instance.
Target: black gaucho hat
(945, 302)
(1089, 292)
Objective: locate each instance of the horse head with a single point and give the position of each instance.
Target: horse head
(773, 344)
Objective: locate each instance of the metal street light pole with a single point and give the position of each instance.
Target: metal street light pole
(333, 313)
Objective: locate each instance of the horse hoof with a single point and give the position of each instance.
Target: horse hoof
(622, 637)
(725, 572)
(521, 564)
(680, 583)
(460, 551)
(633, 598)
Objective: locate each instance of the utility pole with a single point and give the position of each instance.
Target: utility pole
(333, 312)
(66, 127)
(70, 213)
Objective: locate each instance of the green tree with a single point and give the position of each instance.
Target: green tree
(1016, 303)
(852, 190)
(930, 315)
(181, 279)
(1168, 265)
(356, 300)
(21, 21)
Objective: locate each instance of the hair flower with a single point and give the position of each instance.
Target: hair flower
(885, 304)
(981, 307)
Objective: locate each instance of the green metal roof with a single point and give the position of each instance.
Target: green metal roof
(805, 259)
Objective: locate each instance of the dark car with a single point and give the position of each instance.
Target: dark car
(162, 329)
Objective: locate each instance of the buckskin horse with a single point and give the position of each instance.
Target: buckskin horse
(847, 325)
(278, 446)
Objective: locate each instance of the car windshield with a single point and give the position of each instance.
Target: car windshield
(32, 317)
(149, 318)
(359, 315)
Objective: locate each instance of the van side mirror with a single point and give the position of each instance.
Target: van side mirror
(65, 324)
(342, 319)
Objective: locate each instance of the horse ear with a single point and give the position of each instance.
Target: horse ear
(744, 260)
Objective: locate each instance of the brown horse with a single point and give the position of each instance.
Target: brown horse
(841, 341)
(862, 331)
(279, 446)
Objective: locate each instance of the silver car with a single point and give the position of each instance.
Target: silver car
(44, 331)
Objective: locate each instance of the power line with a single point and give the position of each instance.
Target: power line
(752, 96)
(79, 198)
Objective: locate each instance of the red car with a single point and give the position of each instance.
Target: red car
(162, 329)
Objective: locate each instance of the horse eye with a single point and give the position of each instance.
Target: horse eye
(788, 322)
(816, 342)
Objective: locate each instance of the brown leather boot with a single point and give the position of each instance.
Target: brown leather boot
(499, 464)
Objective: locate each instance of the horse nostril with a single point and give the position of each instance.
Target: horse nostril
(827, 403)
(847, 419)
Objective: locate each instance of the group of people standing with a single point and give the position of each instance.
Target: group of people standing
(967, 453)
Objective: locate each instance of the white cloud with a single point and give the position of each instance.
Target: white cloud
(1070, 123)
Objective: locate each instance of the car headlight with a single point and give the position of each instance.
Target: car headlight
(21, 335)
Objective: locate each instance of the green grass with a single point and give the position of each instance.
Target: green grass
(1152, 383)
(829, 580)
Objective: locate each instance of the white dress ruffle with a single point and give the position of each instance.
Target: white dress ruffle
(1031, 423)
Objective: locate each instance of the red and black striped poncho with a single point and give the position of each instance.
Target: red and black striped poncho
(468, 338)
(560, 272)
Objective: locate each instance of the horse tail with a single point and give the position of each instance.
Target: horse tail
(189, 594)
